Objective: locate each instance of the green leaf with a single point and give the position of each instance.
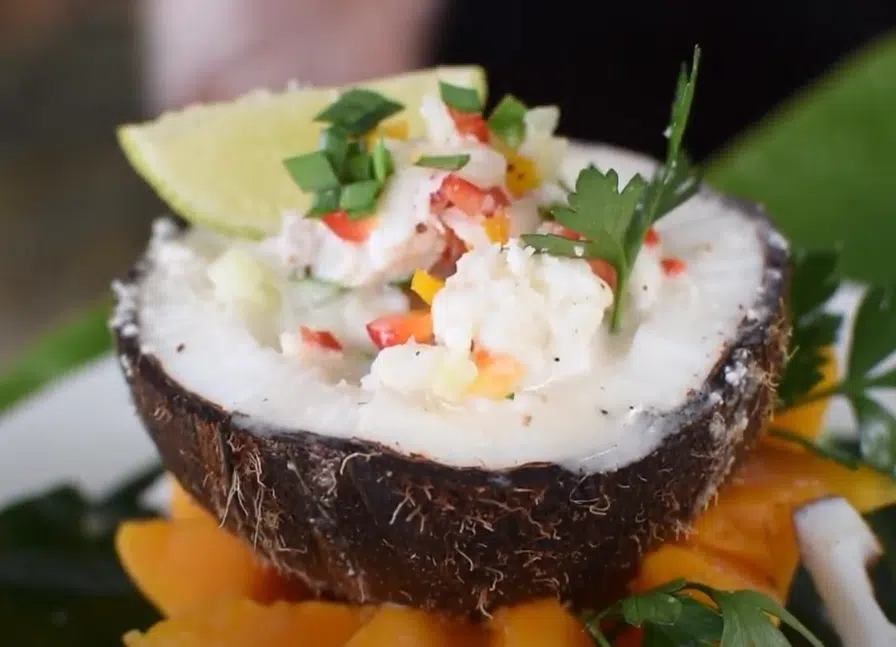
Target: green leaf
(823, 163)
(598, 208)
(382, 162)
(359, 196)
(312, 171)
(507, 121)
(336, 145)
(885, 380)
(461, 99)
(681, 108)
(748, 600)
(874, 332)
(60, 579)
(325, 202)
(877, 433)
(82, 340)
(813, 280)
(829, 451)
(359, 167)
(444, 162)
(697, 625)
(358, 111)
(603, 247)
(656, 608)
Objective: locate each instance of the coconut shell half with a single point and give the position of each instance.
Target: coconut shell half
(362, 523)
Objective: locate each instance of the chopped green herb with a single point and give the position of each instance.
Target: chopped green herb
(336, 145)
(358, 111)
(312, 171)
(325, 202)
(613, 222)
(359, 198)
(670, 616)
(359, 167)
(460, 99)
(507, 121)
(444, 162)
(382, 161)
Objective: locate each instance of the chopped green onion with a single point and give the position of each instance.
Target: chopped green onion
(312, 171)
(461, 99)
(382, 162)
(359, 197)
(336, 146)
(325, 202)
(507, 121)
(444, 162)
(359, 167)
(358, 111)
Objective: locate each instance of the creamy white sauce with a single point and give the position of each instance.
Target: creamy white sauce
(603, 419)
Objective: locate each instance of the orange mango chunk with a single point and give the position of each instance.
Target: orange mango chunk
(243, 623)
(537, 624)
(394, 626)
(184, 506)
(180, 564)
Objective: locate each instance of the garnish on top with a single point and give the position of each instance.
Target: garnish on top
(611, 224)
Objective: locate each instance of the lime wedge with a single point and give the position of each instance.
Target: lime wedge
(221, 164)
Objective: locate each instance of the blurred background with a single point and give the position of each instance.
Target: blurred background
(73, 215)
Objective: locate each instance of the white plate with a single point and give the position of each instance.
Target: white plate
(83, 429)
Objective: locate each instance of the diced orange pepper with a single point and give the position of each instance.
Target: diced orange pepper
(320, 338)
(465, 195)
(498, 374)
(426, 286)
(353, 231)
(605, 271)
(652, 239)
(396, 329)
(470, 123)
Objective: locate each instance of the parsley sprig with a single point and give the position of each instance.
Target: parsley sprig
(815, 330)
(344, 175)
(670, 617)
(613, 222)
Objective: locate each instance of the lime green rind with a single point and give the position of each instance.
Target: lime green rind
(825, 163)
(220, 165)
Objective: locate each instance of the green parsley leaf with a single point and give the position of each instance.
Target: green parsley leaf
(507, 121)
(359, 167)
(312, 171)
(359, 198)
(877, 433)
(444, 162)
(336, 145)
(673, 618)
(827, 450)
(358, 111)
(459, 98)
(382, 162)
(325, 202)
(876, 321)
(615, 223)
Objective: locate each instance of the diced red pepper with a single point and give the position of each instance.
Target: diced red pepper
(470, 123)
(353, 231)
(673, 266)
(396, 329)
(455, 247)
(465, 195)
(605, 271)
(500, 198)
(652, 239)
(438, 203)
(321, 338)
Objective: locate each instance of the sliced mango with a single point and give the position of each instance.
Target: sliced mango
(184, 506)
(243, 623)
(537, 624)
(178, 565)
(394, 626)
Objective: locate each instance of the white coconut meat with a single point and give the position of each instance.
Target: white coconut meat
(603, 410)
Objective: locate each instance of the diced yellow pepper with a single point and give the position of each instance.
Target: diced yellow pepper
(394, 129)
(522, 174)
(497, 228)
(426, 286)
